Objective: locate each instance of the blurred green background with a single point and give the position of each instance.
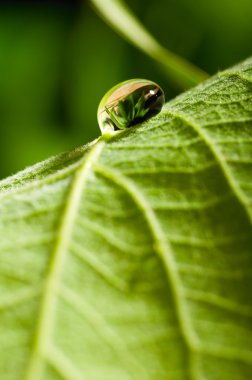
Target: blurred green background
(58, 58)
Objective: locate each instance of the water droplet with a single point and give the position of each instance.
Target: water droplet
(129, 103)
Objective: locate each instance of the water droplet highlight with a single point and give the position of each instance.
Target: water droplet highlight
(129, 103)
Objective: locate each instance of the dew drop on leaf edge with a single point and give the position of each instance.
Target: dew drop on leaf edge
(129, 103)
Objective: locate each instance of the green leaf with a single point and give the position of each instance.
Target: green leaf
(180, 72)
(132, 258)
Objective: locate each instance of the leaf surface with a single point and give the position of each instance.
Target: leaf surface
(131, 258)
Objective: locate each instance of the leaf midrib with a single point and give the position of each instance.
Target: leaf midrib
(47, 310)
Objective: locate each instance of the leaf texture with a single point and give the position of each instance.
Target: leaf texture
(132, 258)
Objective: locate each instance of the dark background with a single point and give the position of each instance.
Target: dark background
(58, 58)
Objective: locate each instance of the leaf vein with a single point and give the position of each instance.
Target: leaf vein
(47, 309)
(227, 174)
(165, 254)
